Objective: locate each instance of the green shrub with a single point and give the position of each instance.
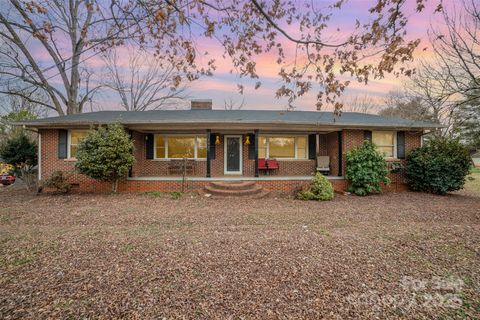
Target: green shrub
(321, 189)
(19, 151)
(58, 181)
(106, 154)
(438, 167)
(366, 170)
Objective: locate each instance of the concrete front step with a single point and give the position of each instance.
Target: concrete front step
(241, 192)
(235, 189)
(233, 185)
(221, 195)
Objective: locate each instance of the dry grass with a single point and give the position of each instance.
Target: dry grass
(405, 255)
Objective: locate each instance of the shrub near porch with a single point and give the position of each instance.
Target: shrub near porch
(366, 170)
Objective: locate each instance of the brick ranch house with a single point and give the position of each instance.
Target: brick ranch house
(200, 147)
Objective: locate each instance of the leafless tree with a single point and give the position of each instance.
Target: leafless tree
(360, 103)
(399, 104)
(16, 103)
(142, 81)
(452, 79)
(65, 33)
(374, 45)
(231, 104)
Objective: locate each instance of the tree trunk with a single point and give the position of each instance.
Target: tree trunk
(115, 186)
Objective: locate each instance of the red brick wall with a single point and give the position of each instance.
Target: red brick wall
(51, 163)
(150, 168)
(332, 152)
(322, 145)
(353, 138)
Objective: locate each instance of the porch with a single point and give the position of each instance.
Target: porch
(233, 155)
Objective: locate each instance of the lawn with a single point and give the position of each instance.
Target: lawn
(406, 255)
(473, 182)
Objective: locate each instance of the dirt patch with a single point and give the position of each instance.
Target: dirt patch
(405, 255)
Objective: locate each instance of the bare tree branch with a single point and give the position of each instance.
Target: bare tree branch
(146, 83)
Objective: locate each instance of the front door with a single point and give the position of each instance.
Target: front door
(233, 155)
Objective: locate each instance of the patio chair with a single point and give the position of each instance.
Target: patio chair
(323, 164)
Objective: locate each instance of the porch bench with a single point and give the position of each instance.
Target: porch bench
(268, 165)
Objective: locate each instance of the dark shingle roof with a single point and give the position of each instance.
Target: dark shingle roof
(228, 116)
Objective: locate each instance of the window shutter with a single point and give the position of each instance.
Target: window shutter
(367, 135)
(212, 149)
(130, 171)
(312, 146)
(62, 144)
(149, 145)
(401, 144)
(251, 147)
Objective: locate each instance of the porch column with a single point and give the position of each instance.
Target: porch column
(256, 151)
(208, 152)
(340, 153)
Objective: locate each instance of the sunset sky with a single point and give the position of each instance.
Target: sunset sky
(222, 86)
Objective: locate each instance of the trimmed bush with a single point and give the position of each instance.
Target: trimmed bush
(58, 181)
(106, 154)
(321, 189)
(438, 167)
(366, 170)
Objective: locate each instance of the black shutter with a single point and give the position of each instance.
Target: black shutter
(212, 150)
(62, 144)
(367, 135)
(149, 146)
(130, 172)
(312, 146)
(401, 144)
(251, 147)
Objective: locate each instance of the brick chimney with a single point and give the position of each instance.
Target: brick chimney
(201, 104)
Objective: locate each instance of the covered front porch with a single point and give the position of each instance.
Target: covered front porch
(235, 155)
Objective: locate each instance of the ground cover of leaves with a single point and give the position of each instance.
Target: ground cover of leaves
(405, 255)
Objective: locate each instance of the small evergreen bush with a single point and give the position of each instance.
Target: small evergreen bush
(440, 166)
(58, 181)
(366, 170)
(19, 151)
(106, 154)
(321, 189)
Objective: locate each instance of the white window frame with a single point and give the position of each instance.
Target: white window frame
(165, 139)
(267, 151)
(69, 142)
(394, 142)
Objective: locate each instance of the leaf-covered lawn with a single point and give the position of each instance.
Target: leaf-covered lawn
(406, 255)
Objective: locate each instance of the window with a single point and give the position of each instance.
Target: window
(74, 138)
(302, 150)
(283, 147)
(202, 147)
(385, 142)
(179, 147)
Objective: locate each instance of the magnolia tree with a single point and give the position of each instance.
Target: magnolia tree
(106, 154)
